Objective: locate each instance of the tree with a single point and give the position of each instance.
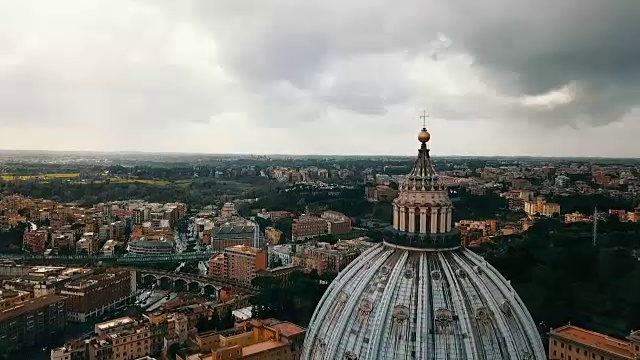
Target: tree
(190, 248)
(211, 323)
(276, 262)
(215, 320)
(284, 224)
(11, 239)
(228, 320)
(135, 312)
(119, 250)
(563, 278)
(65, 250)
(294, 301)
(328, 238)
(25, 212)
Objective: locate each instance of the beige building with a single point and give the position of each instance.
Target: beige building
(117, 339)
(89, 243)
(272, 235)
(238, 263)
(574, 343)
(576, 217)
(12, 298)
(485, 227)
(177, 327)
(255, 339)
(540, 206)
(627, 216)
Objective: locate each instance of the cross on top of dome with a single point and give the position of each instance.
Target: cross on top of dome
(423, 175)
(424, 136)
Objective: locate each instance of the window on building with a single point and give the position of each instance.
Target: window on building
(562, 345)
(569, 347)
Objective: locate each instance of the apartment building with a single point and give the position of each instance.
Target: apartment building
(35, 242)
(254, 339)
(31, 322)
(337, 223)
(327, 258)
(485, 227)
(308, 227)
(234, 232)
(238, 264)
(12, 298)
(93, 295)
(574, 343)
(540, 206)
(88, 244)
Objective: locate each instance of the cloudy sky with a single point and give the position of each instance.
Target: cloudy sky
(499, 77)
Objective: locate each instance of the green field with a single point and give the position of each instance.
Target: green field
(9, 177)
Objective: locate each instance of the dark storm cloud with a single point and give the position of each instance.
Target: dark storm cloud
(523, 47)
(283, 62)
(549, 44)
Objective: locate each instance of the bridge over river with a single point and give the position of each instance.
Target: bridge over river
(110, 259)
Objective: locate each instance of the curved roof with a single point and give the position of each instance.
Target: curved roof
(393, 303)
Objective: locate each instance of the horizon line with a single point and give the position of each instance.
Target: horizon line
(146, 152)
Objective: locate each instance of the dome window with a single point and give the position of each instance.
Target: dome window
(366, 307)
(349, 355)
(436, 275)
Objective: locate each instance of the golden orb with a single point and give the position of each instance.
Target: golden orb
(424, 136)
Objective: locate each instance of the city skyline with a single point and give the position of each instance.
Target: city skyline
(280, 77)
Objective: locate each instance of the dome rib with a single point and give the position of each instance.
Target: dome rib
(380, 319)
(338, 330)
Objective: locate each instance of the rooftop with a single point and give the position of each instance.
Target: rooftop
(30, 305)
(244, 249)
(93, 280)
(593, 339)
(148, 243)
(114, 323)
(261, 347)
(9, 294)
(288, 329)
(45, 269)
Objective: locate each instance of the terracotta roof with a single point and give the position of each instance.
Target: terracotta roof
(260, 347)
(593, 339)
(288, 329)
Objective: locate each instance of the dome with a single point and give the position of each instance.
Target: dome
(419, 294)
(395, 303)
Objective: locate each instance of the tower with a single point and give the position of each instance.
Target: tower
(419, 294)
(422, 212)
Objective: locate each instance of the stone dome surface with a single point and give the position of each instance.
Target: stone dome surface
(397, 303)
